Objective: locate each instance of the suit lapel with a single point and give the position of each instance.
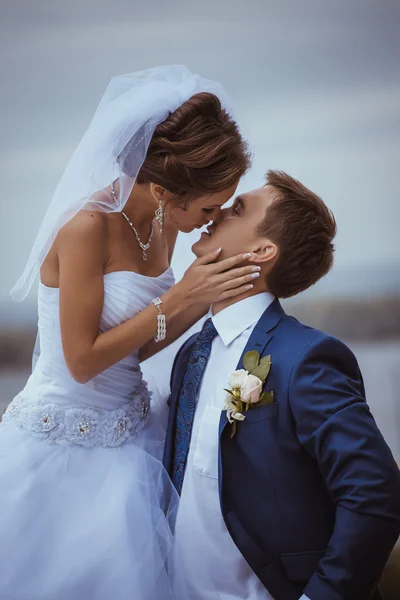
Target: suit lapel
(259, 339)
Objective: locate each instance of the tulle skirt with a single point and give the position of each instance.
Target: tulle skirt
(85, 523)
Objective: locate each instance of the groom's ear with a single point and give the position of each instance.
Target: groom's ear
(265, 251)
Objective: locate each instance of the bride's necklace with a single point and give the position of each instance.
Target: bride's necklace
(143, 247)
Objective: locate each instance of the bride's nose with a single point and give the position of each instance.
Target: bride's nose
(217, 216)
(222, 214)
(214, 217)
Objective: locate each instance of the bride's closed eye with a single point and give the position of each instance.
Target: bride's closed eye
(208, 211)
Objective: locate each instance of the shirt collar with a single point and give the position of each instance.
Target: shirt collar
(235, 319)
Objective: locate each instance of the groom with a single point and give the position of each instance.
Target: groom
(304, 499)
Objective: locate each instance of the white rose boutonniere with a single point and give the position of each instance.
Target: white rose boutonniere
(237, 379)
(245, 388)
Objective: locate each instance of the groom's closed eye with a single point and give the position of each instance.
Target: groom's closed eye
(238, 206)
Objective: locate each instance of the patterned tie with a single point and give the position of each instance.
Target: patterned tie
(187, 400)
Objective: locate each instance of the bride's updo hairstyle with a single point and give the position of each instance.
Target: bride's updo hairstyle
(197, 150)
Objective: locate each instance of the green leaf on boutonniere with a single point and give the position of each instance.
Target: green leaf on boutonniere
(265, 398)
(263, 368)
(266, 361)
(236, 393)
(233, 429)
(251, 360)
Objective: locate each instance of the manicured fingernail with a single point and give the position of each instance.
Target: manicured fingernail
(249, 287)
(217, 251)
(256, 269)
(246, 255)
(255, 275)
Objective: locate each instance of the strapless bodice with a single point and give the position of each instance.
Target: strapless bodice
(51, 384)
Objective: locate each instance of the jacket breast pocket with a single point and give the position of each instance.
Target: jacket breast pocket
(300, 566)
(205, 455)
(269, 411)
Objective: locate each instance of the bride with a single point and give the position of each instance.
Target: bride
(86, 509)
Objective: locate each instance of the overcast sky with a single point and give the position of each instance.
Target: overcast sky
(315, 83)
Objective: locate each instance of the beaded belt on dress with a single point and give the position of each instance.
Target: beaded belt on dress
(82, 426)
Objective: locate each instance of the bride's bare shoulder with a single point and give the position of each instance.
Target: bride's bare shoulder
(87, 224)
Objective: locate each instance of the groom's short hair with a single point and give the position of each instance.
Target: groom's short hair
(302, 227)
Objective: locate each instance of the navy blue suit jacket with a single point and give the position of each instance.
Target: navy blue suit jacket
(309, 490)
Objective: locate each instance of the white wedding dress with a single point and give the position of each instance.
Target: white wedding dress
(86, 508)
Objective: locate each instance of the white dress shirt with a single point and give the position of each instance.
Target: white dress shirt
(203, 543)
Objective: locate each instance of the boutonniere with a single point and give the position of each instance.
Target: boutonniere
(245, 388)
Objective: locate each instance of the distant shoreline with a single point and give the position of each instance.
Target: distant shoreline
(353, 321)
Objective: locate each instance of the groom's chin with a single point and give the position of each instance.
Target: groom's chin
(203, 245)
(196, 250)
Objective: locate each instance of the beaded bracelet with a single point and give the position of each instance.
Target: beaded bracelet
(161, 321)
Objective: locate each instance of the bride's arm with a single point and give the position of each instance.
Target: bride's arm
(175, 328)
(81, 248)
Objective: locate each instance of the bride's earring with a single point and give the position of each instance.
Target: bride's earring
(160, 216)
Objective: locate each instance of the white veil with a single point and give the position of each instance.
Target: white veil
(114, 146)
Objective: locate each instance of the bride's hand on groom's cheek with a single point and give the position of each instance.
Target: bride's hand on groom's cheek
(207, 281)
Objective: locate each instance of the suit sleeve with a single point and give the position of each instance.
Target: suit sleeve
(335, 426)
